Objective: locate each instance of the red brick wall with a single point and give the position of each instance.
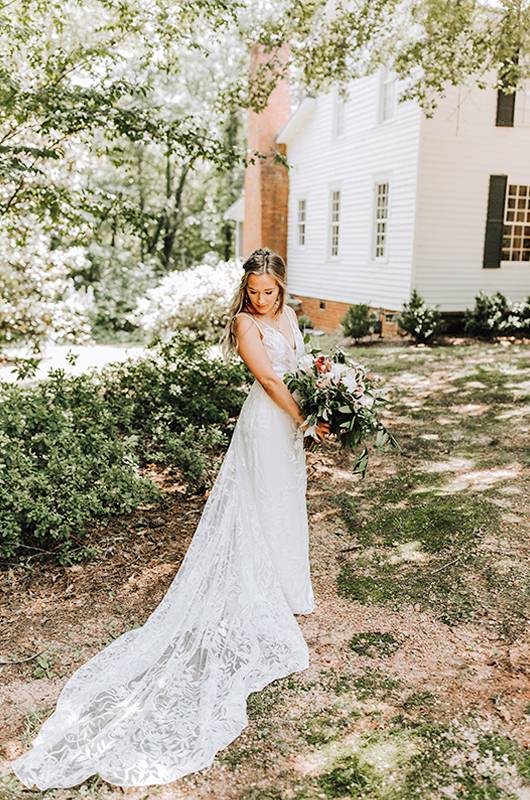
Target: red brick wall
(266, 181)
(329, 318)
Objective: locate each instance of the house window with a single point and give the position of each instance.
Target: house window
(334, 223)
(301, 222)
(388, 96)
(381, 220)
(339, 109)
(522, 107)
(516, 230)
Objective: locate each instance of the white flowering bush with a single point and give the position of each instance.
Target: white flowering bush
(189, 300)
(121, 281)
(419, 320)
(38, 299)
(494, 315)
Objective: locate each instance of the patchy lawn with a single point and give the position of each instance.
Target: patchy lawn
(418, 685)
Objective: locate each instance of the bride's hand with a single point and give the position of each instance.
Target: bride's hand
(322, 430)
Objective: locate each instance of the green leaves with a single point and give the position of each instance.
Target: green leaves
(72, 448)
(360, 465)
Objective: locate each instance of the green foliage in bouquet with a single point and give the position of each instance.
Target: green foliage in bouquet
(337, 390)
(358, 321)
(419, 320)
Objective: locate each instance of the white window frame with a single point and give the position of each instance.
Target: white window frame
(339, 114)
(522, 107)
(387, 81)
(301, 222)
(517, 203)
(330, 239)
(377, 220)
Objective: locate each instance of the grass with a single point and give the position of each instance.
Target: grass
(428, 761)
(418, 553)
(374, 644)
(326, 725)
(376, 684)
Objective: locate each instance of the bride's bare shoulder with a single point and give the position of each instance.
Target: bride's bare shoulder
(244, 323)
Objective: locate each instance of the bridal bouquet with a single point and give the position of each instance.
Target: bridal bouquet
(338, 390)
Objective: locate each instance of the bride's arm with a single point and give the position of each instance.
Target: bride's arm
(252, 351)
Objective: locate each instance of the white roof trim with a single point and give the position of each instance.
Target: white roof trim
(237, 210)
(299, 116)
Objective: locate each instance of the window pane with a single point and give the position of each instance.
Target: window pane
(334, 222)
(381, 214)
(301, 222)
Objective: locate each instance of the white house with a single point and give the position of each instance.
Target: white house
(383, 200)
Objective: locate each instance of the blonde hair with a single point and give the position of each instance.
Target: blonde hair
(262, 261)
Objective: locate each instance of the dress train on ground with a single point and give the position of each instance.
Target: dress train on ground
(161, 700)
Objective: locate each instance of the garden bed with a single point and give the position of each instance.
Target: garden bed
(417, 685)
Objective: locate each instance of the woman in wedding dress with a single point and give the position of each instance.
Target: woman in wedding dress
(161, 700)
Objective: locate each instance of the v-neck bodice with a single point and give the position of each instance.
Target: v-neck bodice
(282, 354)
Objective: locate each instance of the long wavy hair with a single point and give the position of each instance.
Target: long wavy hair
(262, 261)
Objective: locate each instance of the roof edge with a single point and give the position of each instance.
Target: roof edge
(299, 116)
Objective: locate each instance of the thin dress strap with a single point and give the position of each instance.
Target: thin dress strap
(246, 314)
(291, 320)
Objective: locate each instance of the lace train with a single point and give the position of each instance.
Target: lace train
(161, 700)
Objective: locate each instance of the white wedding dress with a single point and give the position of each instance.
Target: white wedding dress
(161, 700)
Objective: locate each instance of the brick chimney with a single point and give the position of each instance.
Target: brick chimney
(266, 181)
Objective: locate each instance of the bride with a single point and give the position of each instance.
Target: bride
(161, 700)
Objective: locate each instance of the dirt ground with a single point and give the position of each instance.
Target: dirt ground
(418, 685)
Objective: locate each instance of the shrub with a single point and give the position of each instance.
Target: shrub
(358, 321)
(72, 447)
(175, 385)
(493, 315)
(62, 464)
(419, 320)
(519, 318)
(192, 300)
(304, 322)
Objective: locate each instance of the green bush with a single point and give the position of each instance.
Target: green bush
(358, 321)
(62, 463)
(304, 322)
(493, 315)
(419, 320)
(72, 447)
(175, 386)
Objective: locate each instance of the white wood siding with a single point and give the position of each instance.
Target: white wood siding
(460, 148)
(368, 151)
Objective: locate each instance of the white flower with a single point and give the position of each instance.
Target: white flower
(305, 363)
(350, 380)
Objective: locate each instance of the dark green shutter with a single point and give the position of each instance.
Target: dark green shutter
(505, 109)
(509, 75)
(495, 221)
